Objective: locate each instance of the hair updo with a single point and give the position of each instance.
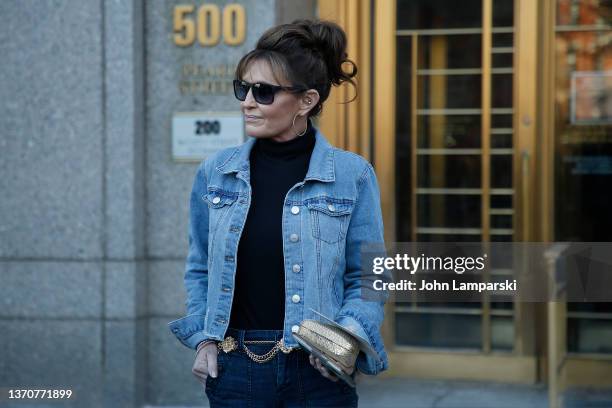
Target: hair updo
(305, 53)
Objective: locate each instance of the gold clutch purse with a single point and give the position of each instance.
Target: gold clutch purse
(335, 346)
(336, 349)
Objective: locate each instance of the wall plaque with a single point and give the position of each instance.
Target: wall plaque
(197, 135)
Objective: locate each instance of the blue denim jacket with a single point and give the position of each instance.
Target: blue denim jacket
(326, 218)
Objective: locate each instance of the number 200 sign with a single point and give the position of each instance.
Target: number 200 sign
(207, 24)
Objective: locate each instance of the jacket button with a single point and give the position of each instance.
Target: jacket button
(331, 207)
(216, 200)
(294, 237)
(295, 209)
(295, 298)
(295, 328)
(297, 268)
(226, 289)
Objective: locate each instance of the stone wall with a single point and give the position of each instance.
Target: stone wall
(94, 211)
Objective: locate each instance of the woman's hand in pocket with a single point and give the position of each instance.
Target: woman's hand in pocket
(205, 362)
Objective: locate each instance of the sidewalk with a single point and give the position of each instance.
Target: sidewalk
(404, 393)
(408, 393)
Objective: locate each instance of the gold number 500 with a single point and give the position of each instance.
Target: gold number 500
(208, 25)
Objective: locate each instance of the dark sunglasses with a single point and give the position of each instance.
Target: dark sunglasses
(263, 93)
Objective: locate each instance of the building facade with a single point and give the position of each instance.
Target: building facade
(486, 120)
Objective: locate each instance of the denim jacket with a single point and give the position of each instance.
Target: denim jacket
(326, 218)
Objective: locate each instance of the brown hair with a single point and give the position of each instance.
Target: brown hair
(306, 53)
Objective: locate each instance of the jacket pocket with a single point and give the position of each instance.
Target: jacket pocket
(329, 218)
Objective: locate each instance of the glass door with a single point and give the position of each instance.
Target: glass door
(583, 150)
(455, 154)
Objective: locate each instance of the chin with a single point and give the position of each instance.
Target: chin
(256, 131)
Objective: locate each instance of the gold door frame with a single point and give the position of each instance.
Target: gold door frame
(519, 366)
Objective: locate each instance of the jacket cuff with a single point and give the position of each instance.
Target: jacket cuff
(189, 330)
(365, 363)
(352, 325)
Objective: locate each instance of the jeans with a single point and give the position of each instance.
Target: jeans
(287, 380)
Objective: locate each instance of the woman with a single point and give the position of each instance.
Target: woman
(276, 226)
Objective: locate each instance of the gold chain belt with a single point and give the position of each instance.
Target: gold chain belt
(230, 344)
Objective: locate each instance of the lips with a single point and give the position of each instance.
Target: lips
(251, 118)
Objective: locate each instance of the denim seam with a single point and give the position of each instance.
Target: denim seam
(214, 233)
(323, 198)
(300, 381)
(249, 375)
(362, 178)
(333, 278)
(301, 280)
(314, 223)
(319, 266)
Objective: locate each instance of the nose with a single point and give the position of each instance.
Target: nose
(249, 101)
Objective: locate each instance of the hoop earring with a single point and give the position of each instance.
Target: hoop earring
(293, 125)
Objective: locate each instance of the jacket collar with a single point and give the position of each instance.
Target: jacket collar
(321, 165)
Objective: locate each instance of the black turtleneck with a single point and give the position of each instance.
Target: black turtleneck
(259, 294)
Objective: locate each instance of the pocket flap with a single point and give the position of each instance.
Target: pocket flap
(219, 198)
(331, 206)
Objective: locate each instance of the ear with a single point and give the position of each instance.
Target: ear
(308, 100)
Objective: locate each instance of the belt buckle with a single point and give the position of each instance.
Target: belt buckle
(228, 344)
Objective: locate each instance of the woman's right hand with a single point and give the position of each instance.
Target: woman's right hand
(205, 362)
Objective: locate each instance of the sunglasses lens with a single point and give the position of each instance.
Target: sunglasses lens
(240, 90)
(263, 94)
